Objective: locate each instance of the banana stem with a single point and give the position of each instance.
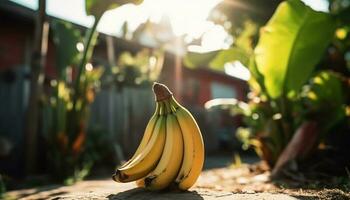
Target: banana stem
(157, 112)
(87, 50)
(161, 109)
(168, 108)
(172, 107)
(161, 92)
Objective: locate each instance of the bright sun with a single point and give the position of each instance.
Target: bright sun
(187, 17)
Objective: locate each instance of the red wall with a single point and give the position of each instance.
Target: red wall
(12, 45)
(16, 38)
(203, 78)
(206, 78)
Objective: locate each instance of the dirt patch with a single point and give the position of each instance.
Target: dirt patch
(243, 182)
(252, 179)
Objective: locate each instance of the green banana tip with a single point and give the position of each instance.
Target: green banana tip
(161, 91)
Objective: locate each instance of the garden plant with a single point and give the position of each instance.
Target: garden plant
(298, 96)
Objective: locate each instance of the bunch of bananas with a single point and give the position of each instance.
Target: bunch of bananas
(171, 152)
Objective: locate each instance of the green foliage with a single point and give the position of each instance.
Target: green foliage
(245, 39)
(289, 48)
(324, 99)
(66, 110)
(325, 89)
(287, 89)
(341, 9)
(241, 51)
(67, 107)
(142, 68)
(194, 60)
(98, 7)
(65, 39)
(237, 12)
(291, 45)
(216, 59)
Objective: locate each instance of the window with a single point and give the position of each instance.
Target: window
(219, 90)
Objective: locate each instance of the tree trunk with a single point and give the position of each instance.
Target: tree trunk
(36, 81)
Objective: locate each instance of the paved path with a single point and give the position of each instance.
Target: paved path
(108, 189)
(216, 182)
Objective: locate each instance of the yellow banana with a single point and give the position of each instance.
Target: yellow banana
(171, 151)
(193, 160)
(146, 161)
(170, 162)
(146, 136)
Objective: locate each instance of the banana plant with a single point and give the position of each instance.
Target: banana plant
(325, 90)
(290, 46)
(65, 155)
(96, 9)
(68, 106)
(285, 58)
(323, 106)
(142, 69)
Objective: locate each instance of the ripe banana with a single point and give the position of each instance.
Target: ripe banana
(170, 162)
(146, 136)
(171, 152)
(194, 148)
(145, 162)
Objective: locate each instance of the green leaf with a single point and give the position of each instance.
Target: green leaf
(324, 99)
(291, 45)
(341, 9)
(98, 7)
(229, 55)
(65, 38)
(327, 87)
(194, 60)
(216, 59)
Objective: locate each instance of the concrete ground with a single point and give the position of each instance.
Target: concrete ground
(217, 181)
(108, 189)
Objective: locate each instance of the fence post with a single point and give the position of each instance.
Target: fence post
(36, 80)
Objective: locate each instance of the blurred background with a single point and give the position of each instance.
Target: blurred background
(190, 48)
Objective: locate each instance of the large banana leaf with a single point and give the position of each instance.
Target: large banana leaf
(216, 59)
(98, 7)
(291, 45)
(241, 51)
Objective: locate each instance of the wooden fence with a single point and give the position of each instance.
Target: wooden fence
(13, 99)
(123, 114)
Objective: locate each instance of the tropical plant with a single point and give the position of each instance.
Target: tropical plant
(289, 109)
(142, 69)
(66, 112)
(64, 123)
